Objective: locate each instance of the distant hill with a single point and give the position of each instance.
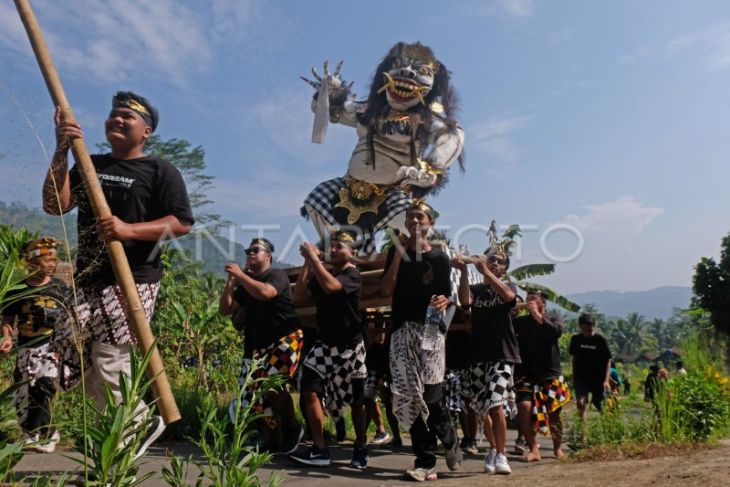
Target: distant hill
(654, 303)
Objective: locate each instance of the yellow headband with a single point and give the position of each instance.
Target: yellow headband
(40, 247)
(344, 237)
(420, 204)
(132, 104)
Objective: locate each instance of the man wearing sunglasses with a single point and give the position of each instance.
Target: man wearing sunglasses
(271, 334)
(487, 386)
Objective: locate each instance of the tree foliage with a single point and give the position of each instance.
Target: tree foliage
(711, 287)
(190, 161)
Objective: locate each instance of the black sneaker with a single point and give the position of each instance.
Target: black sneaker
(314, 457)
(341, 430)
(395, 443)
(360, 458)
(290, 440)
(155, 429)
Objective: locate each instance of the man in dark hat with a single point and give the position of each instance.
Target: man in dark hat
(149, 203)
(272, 334)
(418, 277)
(334, 370)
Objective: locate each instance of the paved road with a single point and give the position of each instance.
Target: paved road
(386, 466)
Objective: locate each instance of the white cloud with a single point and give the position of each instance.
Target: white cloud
(713, 43)
(493, 137)
(514, 8)
(115, 41)
(635, 55)
(620, 217)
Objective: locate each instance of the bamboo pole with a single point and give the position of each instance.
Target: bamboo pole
(138, 321)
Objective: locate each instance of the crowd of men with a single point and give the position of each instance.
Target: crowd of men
(509, 366)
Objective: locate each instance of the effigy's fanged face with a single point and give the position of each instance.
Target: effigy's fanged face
(409, 81)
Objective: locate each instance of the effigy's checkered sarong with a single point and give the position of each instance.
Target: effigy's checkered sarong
(337, 367)
(101, 316)
(411, 368)
(547, 397)
(324, 200)
(487, 385)
(32, 363)
(281, 357)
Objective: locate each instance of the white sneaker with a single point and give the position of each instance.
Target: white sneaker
(29, 440)
(501, 466)
(155, 429)
(48, 446)
(489, 460)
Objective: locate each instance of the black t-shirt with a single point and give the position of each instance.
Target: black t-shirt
(420, 276)
(338, 315)
(137, 190)
(590, 358)
(538, 347)
(492, 336)
(38, 314)
(267, 321)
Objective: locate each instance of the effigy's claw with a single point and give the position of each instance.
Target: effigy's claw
(338, 69)
(313, 84)
(326, 69)
(316, 75)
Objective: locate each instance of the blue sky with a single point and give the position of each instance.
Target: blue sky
(609, 117)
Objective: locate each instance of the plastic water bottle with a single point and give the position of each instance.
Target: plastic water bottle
(431, 328)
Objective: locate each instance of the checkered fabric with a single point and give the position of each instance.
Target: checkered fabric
(487, 385)
(337, 367)
(101, 316)
(281, 357)
(324, 198)
(454, 393)
(411, 368)
(32, 363)
(547, 397)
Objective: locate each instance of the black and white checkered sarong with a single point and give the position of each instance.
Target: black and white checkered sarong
(487, 385)
(337, 367)
(324, 199)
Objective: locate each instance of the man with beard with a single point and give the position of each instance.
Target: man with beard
(271, 335)
(541, 389)
(334, 369)
(149, 203)
(418, 278)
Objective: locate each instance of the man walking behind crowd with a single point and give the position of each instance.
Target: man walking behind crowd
(591, 365)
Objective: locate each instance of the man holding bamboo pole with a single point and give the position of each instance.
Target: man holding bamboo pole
(149, 203)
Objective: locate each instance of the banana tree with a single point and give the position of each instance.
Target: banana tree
(519, 276)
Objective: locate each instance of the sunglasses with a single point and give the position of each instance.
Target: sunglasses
(254, 250)
(496, 260)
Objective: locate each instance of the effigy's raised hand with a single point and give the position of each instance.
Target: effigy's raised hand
(334, 81)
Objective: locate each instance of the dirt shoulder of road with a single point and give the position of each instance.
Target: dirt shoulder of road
(707, 467)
